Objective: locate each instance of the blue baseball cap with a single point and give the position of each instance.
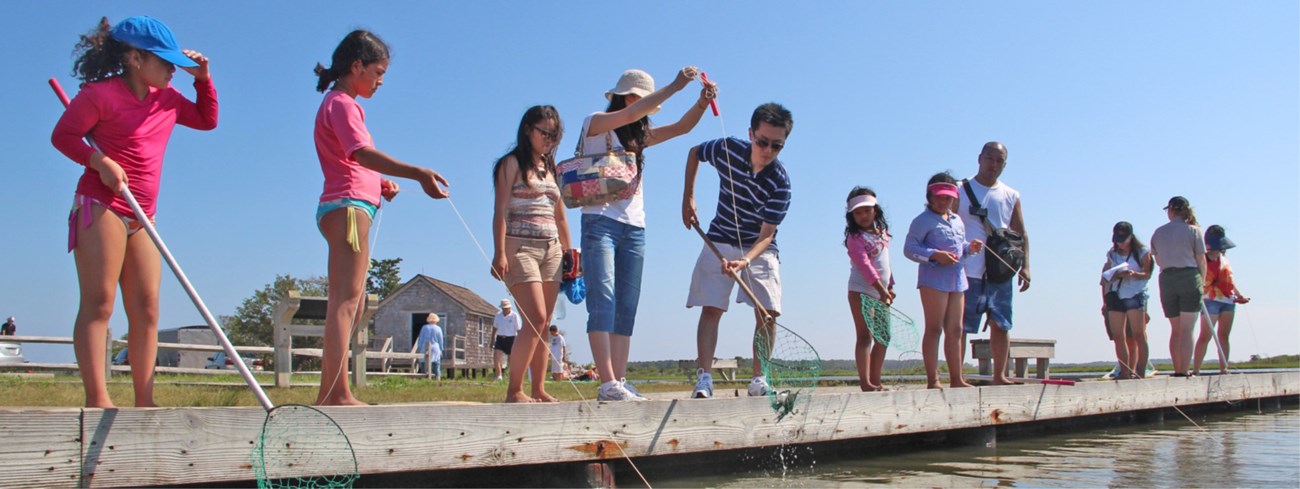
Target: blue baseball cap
(150, 34)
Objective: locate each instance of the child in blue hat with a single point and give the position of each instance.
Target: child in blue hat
(127, 99)
(1221, 298)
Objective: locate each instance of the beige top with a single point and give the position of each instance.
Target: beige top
(1177, 244)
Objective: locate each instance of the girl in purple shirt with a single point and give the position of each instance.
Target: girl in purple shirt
(937, 240)
(353, 187)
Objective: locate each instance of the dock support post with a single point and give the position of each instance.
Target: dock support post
(985, 436)
(1151, 416)
(599, 475)
(1270, 404)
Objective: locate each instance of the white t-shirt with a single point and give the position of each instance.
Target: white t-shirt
(557, 353)
(630, 211)
(507, 325)
(1000, 200)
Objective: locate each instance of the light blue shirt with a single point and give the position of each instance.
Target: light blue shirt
(430, 339)
(929, 233)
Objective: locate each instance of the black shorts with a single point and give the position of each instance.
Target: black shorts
(504, 343)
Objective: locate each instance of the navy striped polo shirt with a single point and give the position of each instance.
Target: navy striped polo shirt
(760, 198)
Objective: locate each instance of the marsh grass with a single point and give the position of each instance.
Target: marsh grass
(229, 390)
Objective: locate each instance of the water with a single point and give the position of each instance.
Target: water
(1239, 449)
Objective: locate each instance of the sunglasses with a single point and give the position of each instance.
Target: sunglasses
(765, 143)
(551, 135)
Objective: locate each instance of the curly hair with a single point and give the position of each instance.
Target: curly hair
(99, 56)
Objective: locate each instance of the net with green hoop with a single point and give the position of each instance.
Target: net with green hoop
(791, 366)
(889, 326)
(301, 447)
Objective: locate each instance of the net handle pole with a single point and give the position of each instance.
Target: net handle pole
(767, 317)
(180, 274)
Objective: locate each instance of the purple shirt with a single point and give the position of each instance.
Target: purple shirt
(929, 233)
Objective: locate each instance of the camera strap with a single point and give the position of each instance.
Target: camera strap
(975, 205)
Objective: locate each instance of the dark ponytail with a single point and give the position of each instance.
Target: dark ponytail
(359, 45)
(99, 56)
(631, 136)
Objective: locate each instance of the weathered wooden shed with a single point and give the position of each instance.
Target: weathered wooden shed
(466, 319)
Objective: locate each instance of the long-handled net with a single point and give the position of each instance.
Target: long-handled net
(888, 325)
(301, 447)
(295, 430)
(790, 364)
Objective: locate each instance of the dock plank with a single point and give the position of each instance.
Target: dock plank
(170, 446)
(41, 448)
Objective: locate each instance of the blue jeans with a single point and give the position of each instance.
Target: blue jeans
(612, 256)
(984, 297)
(435, 366)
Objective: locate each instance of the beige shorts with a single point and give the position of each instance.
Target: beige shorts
(710, 286)
(532, 260)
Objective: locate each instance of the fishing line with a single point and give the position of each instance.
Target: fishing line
(546, 345)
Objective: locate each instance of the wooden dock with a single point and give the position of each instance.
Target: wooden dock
(171, 446)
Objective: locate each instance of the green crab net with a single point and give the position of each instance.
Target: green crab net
(889, 326)
(791, 366)
(301, 447)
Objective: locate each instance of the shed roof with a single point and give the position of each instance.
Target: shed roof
(463, 296)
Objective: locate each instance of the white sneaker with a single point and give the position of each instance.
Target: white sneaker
(614, 391)
(704, 386)
(632, 389)
(758, 386)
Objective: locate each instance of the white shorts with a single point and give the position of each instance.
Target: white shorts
(710, 286)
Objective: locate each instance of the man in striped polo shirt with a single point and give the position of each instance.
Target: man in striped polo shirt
(753, 196)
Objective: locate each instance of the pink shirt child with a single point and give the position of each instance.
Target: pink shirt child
(133, 132)
(340, 132)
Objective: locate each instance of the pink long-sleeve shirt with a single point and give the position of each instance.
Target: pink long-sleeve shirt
(130, 131)
(340, 132)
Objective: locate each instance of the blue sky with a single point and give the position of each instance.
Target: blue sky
(1107, 108)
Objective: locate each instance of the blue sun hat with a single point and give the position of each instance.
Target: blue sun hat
(1217, 240)
(150, 34)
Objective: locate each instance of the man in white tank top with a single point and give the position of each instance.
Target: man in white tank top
(1001, 204)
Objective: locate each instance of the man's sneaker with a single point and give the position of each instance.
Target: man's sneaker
(614, 391)
(632, 389)
(704, 386)
(759, 387)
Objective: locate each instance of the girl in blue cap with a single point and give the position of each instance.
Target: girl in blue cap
(126, 98)
(1221, 298)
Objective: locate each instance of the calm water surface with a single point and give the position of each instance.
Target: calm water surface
(1239, 449)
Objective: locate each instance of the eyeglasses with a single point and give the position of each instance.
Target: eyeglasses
(551, 135)
(764, 143)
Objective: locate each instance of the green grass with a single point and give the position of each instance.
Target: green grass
(229, 390)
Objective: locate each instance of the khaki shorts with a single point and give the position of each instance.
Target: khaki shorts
(1180, 291)
(710, 286)
(532, 260)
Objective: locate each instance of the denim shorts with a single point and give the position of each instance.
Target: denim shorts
(1215, 308)
(612, 257)
(984, 297)
(1134, 303)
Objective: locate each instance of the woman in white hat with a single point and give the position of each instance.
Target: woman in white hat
(613, 234)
